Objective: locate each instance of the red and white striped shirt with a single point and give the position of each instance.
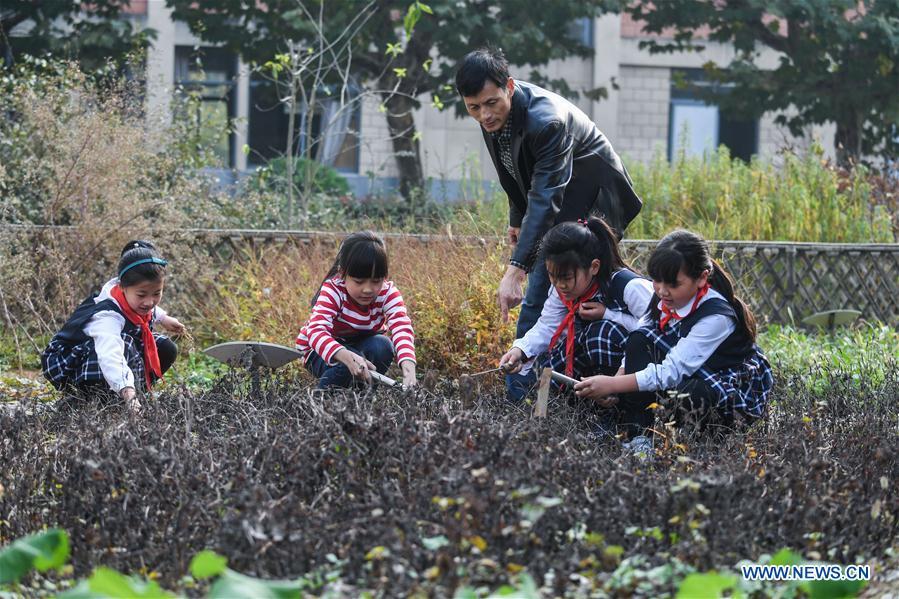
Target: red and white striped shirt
(336, 315)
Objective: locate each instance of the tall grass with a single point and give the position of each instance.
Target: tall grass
(805, 198)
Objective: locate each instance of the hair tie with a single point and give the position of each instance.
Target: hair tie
(158, 261)
(582, 222)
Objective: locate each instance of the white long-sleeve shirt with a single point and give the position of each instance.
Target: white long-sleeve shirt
(105, 328)
(637, 294)
(690, 352)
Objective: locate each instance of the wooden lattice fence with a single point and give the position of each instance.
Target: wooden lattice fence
(782, 281)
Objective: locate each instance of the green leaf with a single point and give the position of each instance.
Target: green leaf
(524, 588)
(80, 591)
(412, 17)
(105, 583)
(232, 585)
(709, 585)
(434, 543)
(834, 589)
(786, 557)
(207, 564)
(394, 50)
(42, 551)
(549, 501)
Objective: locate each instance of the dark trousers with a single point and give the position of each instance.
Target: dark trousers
(168, 352)
(377, 349)
(697, 411)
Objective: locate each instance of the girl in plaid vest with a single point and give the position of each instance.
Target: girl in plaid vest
(595, 301)
(698, 339)
(343, 339)
(108, 342)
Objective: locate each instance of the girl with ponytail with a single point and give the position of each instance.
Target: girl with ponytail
(593, 304)
(698, 339)
(344, 337)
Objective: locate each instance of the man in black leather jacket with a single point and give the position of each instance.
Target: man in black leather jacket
(554, 165)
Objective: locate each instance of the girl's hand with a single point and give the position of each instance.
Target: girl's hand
(356, 364)
(174, 325)
(130, 397)
(594, 387)
(607, 402)
(408, 367)
(512, 361)
(592, 311)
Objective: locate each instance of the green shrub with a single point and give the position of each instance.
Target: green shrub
(272, 178)
(803, 199)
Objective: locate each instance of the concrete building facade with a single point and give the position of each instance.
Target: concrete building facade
(645, 115)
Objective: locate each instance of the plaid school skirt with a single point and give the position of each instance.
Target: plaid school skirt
(598, 349)
(78, 366)
(742, 389)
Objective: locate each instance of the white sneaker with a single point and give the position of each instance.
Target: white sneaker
(640, 446)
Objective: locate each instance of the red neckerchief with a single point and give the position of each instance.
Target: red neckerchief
(669, 314)
(151, 356)
(568, 324)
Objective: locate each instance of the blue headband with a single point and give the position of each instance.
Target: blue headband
(158, 261)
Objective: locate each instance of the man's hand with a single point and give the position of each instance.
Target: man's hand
(512, 361)
(592, 311)
(514, 232)
(509, 294)
(357, 365)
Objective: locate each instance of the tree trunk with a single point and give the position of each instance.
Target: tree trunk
(405, 145)
(848, 142)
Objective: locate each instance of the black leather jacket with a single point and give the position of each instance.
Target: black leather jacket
(566, 167)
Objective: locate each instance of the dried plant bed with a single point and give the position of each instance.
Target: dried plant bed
(427, 491)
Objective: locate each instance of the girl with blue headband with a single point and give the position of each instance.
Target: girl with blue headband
(108, 342)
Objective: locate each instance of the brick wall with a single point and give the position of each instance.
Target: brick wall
(643, 104)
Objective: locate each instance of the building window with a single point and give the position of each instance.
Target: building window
(696, 127)
(333, 138)
(582, 31)
(206, 77)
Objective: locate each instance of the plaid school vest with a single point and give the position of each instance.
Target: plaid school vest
(611, 293)
(72, 332)
(733, 351)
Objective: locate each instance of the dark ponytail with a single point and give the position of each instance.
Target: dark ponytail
(687, 251)
(139, 262)
(570, 246)
(362, 255)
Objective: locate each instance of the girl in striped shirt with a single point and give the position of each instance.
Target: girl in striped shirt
(343, 338)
